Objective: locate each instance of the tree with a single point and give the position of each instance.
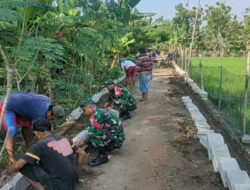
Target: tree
(246, 30)
(218, 19)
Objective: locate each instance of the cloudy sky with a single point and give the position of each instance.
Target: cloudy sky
(166, 8)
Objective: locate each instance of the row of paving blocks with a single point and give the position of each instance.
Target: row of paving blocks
(232, 176)
(18, 182)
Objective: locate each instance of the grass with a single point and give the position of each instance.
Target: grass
(233, 86)
(232, 64)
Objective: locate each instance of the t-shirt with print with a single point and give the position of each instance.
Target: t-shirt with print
(55, 155)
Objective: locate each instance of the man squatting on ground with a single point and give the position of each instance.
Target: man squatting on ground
(120, 97)
(105, 131)
(130, 69)
(22, 109)
(144, 71)
(49, 163)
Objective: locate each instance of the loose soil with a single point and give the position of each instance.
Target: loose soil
(161, 151)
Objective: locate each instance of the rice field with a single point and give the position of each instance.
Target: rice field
(232, 64)
(233, 86)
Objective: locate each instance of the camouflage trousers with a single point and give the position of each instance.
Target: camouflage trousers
(128, 105)
(105, 137)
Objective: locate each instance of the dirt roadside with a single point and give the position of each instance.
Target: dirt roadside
(161, 151)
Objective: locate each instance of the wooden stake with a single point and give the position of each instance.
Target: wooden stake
(221, 77)
(200, 64)
(246, 95)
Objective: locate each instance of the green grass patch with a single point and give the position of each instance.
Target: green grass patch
(233, 86)
(232, 64)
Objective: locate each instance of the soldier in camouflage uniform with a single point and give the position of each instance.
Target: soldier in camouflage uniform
(121, 97)
(105, 131)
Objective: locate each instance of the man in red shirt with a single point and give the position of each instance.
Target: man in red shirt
(144, 71)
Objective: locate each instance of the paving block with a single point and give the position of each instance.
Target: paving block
(18, 182)
(226, 164)
(189, 81)
(215, 139)
(188, 105)
(186, 99)
(201, 125)
(194, 86)
(202, 129)
(236, 177)
(216, 152)
(75, 114)
(203, 137)
(82, 136)
(96, 97)
(192, 109)
(245, 139)
(204, 94)
(191, 106)
(197, 116)
(7, 187)
(241, 187)
(204, 132)
(203, 141)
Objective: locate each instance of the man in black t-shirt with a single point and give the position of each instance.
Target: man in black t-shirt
(49, 164)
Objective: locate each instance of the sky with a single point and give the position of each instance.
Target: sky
(166, 8)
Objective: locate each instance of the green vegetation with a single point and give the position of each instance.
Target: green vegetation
(67, 49)
(64, 49)
(233, 85)
(232, 64)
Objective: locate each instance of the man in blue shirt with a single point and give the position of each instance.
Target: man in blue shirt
(22, 109)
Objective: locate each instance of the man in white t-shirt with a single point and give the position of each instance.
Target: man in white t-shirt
(130, 68)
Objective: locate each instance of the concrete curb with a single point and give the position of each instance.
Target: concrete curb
(218, 151)
(203, 94)
(231, 175)
(18, 182)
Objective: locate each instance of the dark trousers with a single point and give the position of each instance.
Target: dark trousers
(35, 173)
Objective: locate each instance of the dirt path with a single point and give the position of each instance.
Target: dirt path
(161, 151)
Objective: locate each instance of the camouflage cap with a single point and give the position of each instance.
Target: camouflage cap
(58, 111)
(86, 102)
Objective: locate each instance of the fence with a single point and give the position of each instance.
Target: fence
(225, 89)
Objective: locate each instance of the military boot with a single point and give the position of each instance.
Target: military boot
(99, 160)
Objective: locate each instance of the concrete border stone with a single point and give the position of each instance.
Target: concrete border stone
(226, 164)
(241, 187)
(236, 177)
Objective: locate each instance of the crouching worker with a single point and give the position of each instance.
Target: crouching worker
(49, 164)
(120, 97)
(105, 131)
(22, 109)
